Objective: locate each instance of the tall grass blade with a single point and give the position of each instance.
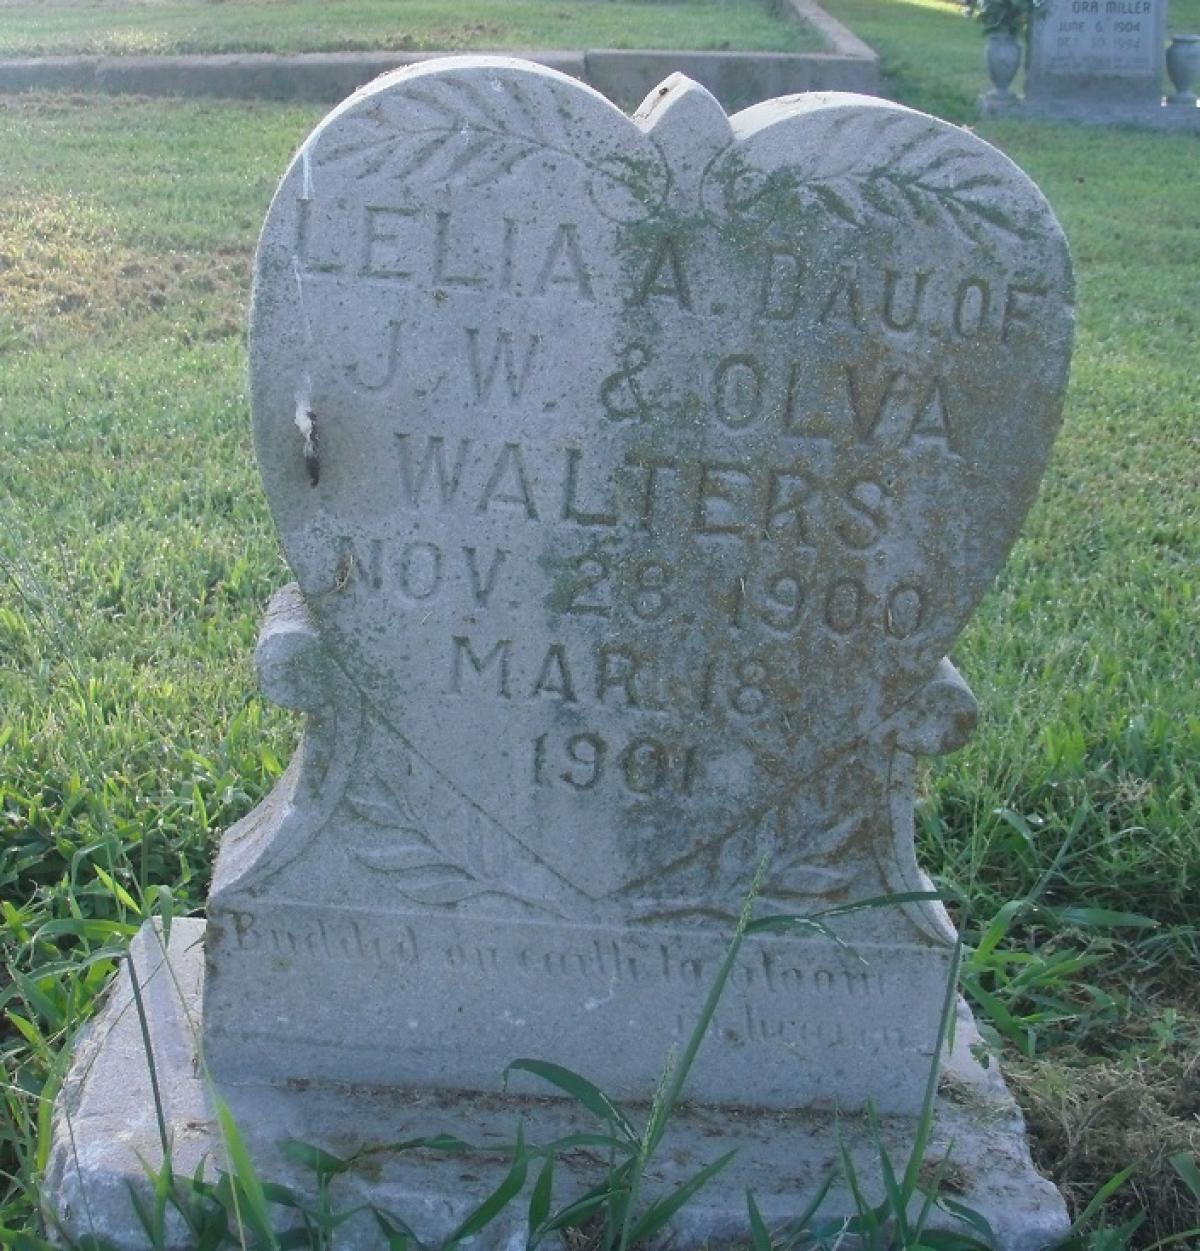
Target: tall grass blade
(323, 1163)
(45, 1119)
(281, 1196)
(1185, 1165)
(925, 1120)
(896, 1199)
(868, 1217)
(768, 924)
(948, 1240)
(19, 1241)
(145, 1217)
(144, 1027)
(619, 1217)
(580, 1210)
(659, 1213)
(679, 1073)
(396, 1233)
(1100, 918)
(580, 1089)
(1189, 1238)
(969, 1216)
(539, 1200)
(117, 891)
(812, 1208)
(655, 1124)
(206, 1217)
(996, 930)
(215, 1234)
(760, 1236)
(999, 1016)
(932, 1190)
(242, 1167)
(1052, 870)
(395, 1241)
(1110, 1187)
(165, 899)
(164, 1190)
(499, 1199)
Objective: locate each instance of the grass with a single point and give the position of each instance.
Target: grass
(116, 27)
(136, 557)
(1084, 659)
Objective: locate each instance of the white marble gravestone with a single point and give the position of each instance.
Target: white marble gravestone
(637, 476)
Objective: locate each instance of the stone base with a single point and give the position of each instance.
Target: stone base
(997, 104)
(1168, 116)
(105, 1127)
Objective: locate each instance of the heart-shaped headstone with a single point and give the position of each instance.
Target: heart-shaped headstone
(634, 470)
(637, 475)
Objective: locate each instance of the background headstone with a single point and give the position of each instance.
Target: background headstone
(1097, 56)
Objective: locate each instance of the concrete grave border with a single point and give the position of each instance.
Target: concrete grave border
(1168, 117)
(735, 78)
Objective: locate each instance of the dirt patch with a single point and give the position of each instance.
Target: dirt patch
(1090, 1120)
(64, 269)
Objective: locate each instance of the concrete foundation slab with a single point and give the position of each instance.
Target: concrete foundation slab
(106, 1136)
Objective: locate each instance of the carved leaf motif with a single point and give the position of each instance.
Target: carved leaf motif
(804, 881)
(901, 169)
(380, 803)
(805, 837)
(440, 872)
(388, 855)
(436, 883)
(450, 129)
(802, 867)
(837, 204)
(444, 127)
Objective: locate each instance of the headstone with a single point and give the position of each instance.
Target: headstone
(637, 476)
(1100, 62)
(1099, 56)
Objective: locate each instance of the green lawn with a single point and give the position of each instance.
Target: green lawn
(1085, 658)
(136, 557)
(32, 27)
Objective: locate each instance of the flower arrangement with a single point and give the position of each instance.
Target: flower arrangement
(1004, 17)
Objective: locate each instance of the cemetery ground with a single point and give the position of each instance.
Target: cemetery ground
(115, 27)
(136, 556)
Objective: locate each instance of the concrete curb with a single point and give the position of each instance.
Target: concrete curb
(737, 79)
(842, 41)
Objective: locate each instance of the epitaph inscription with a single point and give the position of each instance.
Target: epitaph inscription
(637, 476)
